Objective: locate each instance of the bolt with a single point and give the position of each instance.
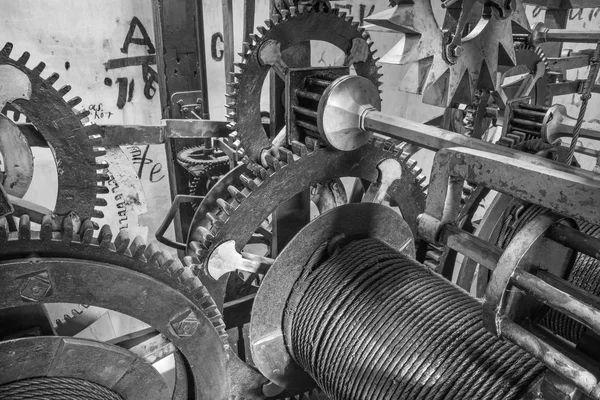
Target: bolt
(37, 287)
(457, 51)
(185, 324)
(185, 109)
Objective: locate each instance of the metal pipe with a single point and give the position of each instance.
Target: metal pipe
(577, 304)
(575, 239)
(572, 35)
(551, 357)
(471, 246)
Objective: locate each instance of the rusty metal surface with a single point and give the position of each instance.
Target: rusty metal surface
(564, 189)
(110, 366)
(76, 157)
(353, 221)
(104, 285)
(298, 27)
(451, 76)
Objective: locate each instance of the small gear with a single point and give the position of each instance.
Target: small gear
(72, 143)
(301, 24)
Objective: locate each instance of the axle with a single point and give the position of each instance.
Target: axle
(542, 34)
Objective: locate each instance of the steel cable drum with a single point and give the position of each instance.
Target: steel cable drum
(371, 323)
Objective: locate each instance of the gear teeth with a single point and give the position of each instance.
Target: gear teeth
(215, 220)
(248, 182)
(64, 90)
(286, 156)
(46, 228)
(101, 164)
(231, 106)
(105, 236)
(7, 49)
(24, 227)
(122, 241)
(236, 194)
(87, 231)
(198, 249)
(273, 163)
(349, 19)
(335, 11)
(97, 214)
(102, 177)
(225, 206)
(268, 24)
(137, 248)
(285, 14)
(68, 229)
(39, 68)
(258, 170)
(102, 190)
(172, 266)
(240, 65)
(52, 78)
(83, 114)
(151, 252)
(276, 18)
(254, 37)
(299, 149)
(99, 151)
(24, 58)
(74, 101)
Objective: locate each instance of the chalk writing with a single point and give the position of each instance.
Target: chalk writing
(149, 75)
(217, 46)
(140, 158)
(97, 111)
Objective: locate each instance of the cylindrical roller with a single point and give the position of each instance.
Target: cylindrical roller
(371, 323)
(56, 388)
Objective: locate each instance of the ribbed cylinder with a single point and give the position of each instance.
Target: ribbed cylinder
(370, 323)
(56, 388)
(585, 272)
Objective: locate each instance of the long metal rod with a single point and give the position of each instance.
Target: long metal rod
(575, 239)
(471, 246)
(551, 357)
(572, 35)
(433, 138)
(556, 294)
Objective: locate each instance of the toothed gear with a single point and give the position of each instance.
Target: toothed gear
(237, 205)
(441, 81)
(81, 257)
(301, 24)
(72, 143)
(200, 160)
(530, 57)
(123, 251)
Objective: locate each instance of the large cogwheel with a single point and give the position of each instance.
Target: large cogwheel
(71, 142)
(122, 275)
(237, 205)
(300, 25)
(443, 81)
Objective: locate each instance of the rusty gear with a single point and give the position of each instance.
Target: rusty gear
(72, 143)
(134, 262)
(238, 204)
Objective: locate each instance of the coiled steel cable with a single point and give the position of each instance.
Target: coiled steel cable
(56, 388)
(371, 323)
(585, 272)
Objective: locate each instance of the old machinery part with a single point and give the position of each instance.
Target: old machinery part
(550, 124)
(238, 204)
(300, 25)
(79, 183)
(527, 280)
(53, 367)
(531, 62)
(442, 70)
(79, 268)
(17, 160)
(340, 279)
(203, 160)
(542, 34)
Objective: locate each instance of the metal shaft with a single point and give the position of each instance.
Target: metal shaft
(572, 35)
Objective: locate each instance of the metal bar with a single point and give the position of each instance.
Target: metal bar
(179, 199)
(195, 129)
(471, 246)
(572, 35)
(249, 10)
(557, 294)
(202, 59)
(305, 111)
(575, 239)
(228, 36)
(551, 357)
